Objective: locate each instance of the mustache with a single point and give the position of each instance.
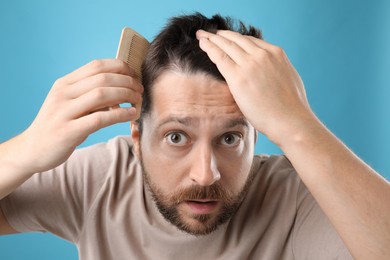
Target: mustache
(196, 192)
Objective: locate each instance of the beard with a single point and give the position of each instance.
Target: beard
(198, 224)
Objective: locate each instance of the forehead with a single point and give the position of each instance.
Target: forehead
(198, 95)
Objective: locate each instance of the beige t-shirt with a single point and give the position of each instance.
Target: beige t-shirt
(98, 201)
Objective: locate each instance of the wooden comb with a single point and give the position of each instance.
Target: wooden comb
(132, 49)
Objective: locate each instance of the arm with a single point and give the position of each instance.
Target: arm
(73, 109)
(271, 95)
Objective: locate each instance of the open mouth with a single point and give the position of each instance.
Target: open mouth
(202, 206)
(203, 201)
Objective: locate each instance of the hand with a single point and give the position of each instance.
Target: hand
(264, 84)
(75, 108)
(271, 96)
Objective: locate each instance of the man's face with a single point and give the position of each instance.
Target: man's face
(196, 151)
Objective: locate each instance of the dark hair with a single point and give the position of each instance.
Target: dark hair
(176, 48)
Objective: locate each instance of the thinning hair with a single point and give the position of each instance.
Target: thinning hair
(176, 48)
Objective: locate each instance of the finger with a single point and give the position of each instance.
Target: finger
(97, 120)
(220, 58)
(265, 45)
(97, 67)
(102, 80)
(101, 98)
(231, 48)
(253, 45)
(244, 42)
(249, 43)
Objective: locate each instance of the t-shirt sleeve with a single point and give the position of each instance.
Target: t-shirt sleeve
(57, 201)
(314, 236)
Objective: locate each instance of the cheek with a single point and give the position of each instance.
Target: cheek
(162, 170)
(235, 174)
(235, 169)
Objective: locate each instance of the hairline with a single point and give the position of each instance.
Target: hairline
(174, 67)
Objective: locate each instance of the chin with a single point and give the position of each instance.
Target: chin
(198, 225)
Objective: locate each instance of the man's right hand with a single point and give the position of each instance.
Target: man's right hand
(75, 107)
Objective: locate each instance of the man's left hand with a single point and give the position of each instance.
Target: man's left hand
(263, 82)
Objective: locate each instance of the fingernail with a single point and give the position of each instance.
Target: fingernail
(199, 33)
(132, 111)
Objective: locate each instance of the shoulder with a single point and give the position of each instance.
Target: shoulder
(312, 233)
(90, 169)
(103, 160)
(269, 208)
(274, 187)
(111, 166)
(100, 157)
(115, 146)
(274, 171)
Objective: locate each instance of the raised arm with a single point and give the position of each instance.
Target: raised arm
(74, 108)
(271, 95)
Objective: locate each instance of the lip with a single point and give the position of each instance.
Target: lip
(202, 206)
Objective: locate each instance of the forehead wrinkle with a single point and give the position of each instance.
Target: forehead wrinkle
(178, 97)
(191, 121)
(186, 120)
(196, 108)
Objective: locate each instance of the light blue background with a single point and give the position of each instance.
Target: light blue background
(341, 48)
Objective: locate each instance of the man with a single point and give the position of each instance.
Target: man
(187, 184)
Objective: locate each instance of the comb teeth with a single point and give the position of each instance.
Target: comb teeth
(132, 50)
(136, 54)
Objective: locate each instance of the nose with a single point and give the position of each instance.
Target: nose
(204, 170)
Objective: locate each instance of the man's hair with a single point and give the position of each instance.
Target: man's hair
(176, 48)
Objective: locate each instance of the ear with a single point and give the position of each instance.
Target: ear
(135, 137)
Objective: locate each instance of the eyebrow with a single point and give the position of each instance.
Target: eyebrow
(191, 122)
(237, 122)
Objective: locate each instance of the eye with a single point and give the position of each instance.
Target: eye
(230, 139)
(176, 138)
